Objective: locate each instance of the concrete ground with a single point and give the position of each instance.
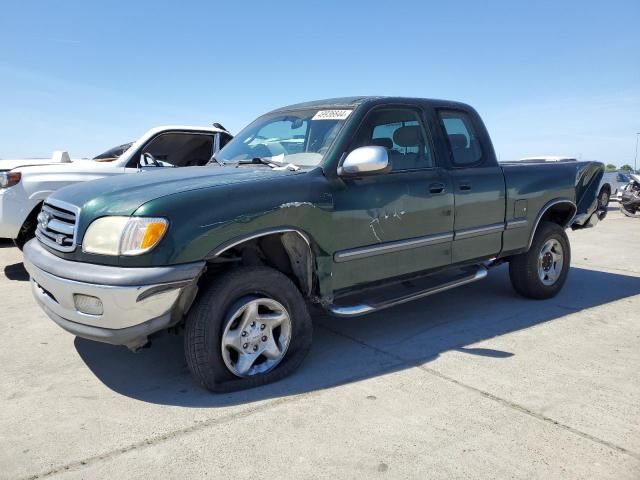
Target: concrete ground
(473, 383)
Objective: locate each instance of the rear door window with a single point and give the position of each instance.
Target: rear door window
(466, 150)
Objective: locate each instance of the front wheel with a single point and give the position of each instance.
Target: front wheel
(27, 232)
(248, 328)
(541, 272)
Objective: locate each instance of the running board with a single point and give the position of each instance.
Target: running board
(468, 275)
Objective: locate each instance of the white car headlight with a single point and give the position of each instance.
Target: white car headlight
(123, 235)
(9, 179)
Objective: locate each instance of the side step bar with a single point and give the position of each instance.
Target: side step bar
(476, 274)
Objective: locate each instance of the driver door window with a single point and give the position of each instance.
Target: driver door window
(180, 149)
(401, 132)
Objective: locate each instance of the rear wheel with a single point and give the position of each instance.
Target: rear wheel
(541, 272)
(249, 328)
(604, 198)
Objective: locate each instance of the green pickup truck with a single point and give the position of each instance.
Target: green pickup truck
(350, 204)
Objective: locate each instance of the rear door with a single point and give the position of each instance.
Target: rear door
(478, 185)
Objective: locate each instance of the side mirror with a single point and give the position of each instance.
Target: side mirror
(365, 161)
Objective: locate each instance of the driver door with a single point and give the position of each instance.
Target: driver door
(395, 223)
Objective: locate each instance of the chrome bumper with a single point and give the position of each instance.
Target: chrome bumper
(136, 301)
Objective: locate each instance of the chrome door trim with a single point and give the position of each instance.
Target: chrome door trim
(390, 247)
(477, 231)
(517, 223)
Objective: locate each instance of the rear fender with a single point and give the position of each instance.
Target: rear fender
(561, 211)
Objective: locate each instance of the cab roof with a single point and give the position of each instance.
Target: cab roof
(353, 102)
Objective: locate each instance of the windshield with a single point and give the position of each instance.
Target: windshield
(301, 138)
(113, 153)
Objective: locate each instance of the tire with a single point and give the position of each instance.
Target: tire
(213, 317)
(627, 213)
(604, 197)
(529, 277)
(27, 232)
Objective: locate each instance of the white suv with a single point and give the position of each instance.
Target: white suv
(23, 189)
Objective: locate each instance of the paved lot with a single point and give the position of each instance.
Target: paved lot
(473, 383)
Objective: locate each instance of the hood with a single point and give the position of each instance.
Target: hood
(75, 166)
(24, 162)
(57, 157)
(124, 194)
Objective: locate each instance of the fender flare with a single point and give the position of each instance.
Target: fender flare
(547, 206)
(302, 258)
(219, 250)
(41, 195)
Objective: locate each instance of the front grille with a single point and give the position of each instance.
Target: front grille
(57, 225)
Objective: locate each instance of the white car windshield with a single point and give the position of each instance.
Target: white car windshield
(300, 137)
(113, 153)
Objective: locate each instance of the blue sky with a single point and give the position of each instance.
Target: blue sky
(547, 77)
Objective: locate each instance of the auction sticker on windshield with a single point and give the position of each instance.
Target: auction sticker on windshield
(331, 115)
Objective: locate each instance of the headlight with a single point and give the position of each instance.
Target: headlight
(124, 235)
(9, 179)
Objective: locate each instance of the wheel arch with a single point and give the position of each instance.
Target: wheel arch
(33, 214)
(272, 244)
(560, 211)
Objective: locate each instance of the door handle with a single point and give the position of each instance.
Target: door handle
(436, 188)
(464, 187)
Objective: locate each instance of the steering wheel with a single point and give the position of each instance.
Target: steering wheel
(260, 151)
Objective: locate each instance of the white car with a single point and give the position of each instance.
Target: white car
(24, 188)
(618, 180)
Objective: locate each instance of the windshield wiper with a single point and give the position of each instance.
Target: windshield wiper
(269, 163)
(257, 161)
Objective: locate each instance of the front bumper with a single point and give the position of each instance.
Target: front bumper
(136, 301)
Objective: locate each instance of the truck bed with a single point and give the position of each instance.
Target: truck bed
(530, 186)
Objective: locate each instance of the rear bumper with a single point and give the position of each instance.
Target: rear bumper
(589, 221)
(136, 302)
